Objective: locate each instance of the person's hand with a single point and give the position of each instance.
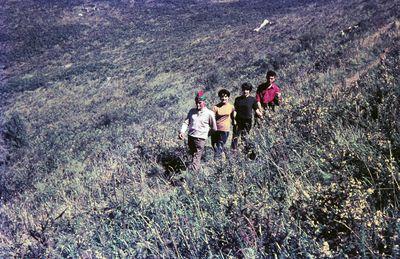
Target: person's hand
(181, 136)
(259, 113)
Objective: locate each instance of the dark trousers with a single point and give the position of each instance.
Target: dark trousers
(241, 129)
(218, 141)
(196, 148)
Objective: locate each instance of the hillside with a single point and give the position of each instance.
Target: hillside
(92, 94)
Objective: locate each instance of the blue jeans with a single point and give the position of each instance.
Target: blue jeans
(218, 141)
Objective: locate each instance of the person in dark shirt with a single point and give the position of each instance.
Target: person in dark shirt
(245, 105)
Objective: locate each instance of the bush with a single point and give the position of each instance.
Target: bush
(15, 131)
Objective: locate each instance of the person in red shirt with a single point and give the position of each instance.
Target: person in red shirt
(268, 94)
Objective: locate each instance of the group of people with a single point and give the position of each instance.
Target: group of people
(201, 121)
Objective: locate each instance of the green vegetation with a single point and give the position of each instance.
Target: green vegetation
(93, 95)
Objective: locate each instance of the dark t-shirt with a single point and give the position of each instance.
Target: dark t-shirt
(244, 107)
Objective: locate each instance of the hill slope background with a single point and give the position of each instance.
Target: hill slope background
(93, 93)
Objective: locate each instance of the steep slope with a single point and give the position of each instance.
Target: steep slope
(93, 93)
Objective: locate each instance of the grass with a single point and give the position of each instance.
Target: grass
(92, 105)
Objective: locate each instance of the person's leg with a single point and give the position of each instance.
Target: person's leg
(214, 140)
(218, 144)
(235, 137)
(222, 141)
(191, 144)
(247, 126)
(257, 122)
(199, 146)
(240, 131)
(249, 146)
(269, 116)
(271, 107)
(245, 134)
(192, 149)
(245, 130)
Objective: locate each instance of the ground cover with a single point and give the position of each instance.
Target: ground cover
(93, 94)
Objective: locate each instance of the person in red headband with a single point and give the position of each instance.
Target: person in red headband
(200, 120)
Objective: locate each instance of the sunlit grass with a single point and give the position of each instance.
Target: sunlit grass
(94, 167)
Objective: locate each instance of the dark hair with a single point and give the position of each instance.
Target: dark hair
(223, 92)
(270, 73)
(247, 86)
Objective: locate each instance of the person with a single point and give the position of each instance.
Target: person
(245, 105)
(224, 114)
(199, 121)
(268, 94)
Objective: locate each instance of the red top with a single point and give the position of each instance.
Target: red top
(266, 95)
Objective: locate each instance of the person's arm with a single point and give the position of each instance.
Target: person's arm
(212, 122)
(258, 97)
(184, 127)
(259, 112)
(235, 105)
(259, 109)
(278, 94)
(259, 106)
(214, 109)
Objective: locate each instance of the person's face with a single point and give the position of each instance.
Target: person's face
(200, 104)
(246, 92)
(271, 79)
(224, 98)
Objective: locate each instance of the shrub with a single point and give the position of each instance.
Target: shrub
(15, 131)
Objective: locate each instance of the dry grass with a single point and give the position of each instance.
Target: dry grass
(92, 104)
